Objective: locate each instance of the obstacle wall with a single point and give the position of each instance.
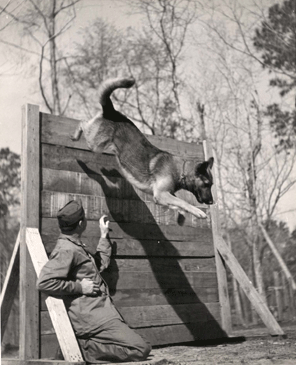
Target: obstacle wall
(163, 276)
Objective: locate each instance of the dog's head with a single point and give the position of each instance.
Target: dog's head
(203, 181)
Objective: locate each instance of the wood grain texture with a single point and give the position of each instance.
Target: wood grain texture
(162, 335)
(130, 239)
(157, 315)
(220, 264)
(30, 199)
(118, 209)
(100, 184)
(161, 280)
(155, 296)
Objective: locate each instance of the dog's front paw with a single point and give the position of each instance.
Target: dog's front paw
(200, 214)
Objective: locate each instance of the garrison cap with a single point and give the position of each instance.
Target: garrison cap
(70, 214)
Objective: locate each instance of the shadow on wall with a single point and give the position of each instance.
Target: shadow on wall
(175, 295)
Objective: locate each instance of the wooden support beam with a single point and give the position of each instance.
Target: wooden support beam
(252, 294)
(10, 285)
(30, 199)
(39, 362)
(56, 308)
(220, 265)
(278, 256)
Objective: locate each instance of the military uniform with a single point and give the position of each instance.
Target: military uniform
(101, 331)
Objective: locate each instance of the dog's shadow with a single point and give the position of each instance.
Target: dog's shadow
(109, 181)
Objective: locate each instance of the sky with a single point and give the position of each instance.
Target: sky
(17, 89)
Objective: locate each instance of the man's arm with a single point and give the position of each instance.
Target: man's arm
(104, 248)
(53, 279)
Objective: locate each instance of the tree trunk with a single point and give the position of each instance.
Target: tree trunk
(56, 108)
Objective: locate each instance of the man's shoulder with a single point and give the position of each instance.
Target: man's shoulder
(64, 244)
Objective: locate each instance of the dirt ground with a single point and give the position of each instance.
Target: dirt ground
(257, 348)
(253, 350)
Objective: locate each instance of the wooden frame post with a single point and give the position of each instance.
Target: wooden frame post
(30, 203)
(220, 264)
(225, 256)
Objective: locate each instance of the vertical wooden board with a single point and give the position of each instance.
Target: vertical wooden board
(30, 190)
(49, 345)
(56, 308)
(221, 269)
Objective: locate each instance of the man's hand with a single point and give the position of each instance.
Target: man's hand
(89, 287)
(104, 226)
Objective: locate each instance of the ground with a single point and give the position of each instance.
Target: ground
(254, 350)
(257, 348)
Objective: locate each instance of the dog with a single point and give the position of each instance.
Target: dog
(145, 166)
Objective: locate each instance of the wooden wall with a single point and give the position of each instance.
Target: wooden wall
(162, 276)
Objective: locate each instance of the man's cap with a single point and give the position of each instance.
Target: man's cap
(70, 214)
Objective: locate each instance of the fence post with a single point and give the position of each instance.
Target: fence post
(278, 296)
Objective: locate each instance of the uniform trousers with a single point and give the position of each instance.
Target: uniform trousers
(114, 342)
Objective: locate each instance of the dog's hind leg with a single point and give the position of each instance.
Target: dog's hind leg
(167, 199)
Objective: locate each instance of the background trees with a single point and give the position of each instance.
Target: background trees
(40, 25)
(275, 40)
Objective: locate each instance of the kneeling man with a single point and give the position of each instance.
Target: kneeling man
(74, 274)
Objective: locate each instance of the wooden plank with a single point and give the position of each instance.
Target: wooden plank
(57, 311)
(38, 362)
(58, 157)
(252, 294)
(49, 342)
(30, 189)
(98, 184)
(174, 334)
(220, 265)
(163, 264)
(160, 315)
(151, 240)
(57, 130)
(163, 315)
(155, 296)
(10, 285)
(121, 210)
(177, 279)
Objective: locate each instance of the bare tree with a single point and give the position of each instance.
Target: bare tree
(41, 24)
(167, 23)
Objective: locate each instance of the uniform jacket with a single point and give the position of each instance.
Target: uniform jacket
(68, 264)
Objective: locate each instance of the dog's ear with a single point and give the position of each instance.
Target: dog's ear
(201, 168)
(210, 162)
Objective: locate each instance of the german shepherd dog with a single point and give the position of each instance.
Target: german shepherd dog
(145, 166)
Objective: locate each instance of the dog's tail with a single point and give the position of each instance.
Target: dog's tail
(108, 86)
